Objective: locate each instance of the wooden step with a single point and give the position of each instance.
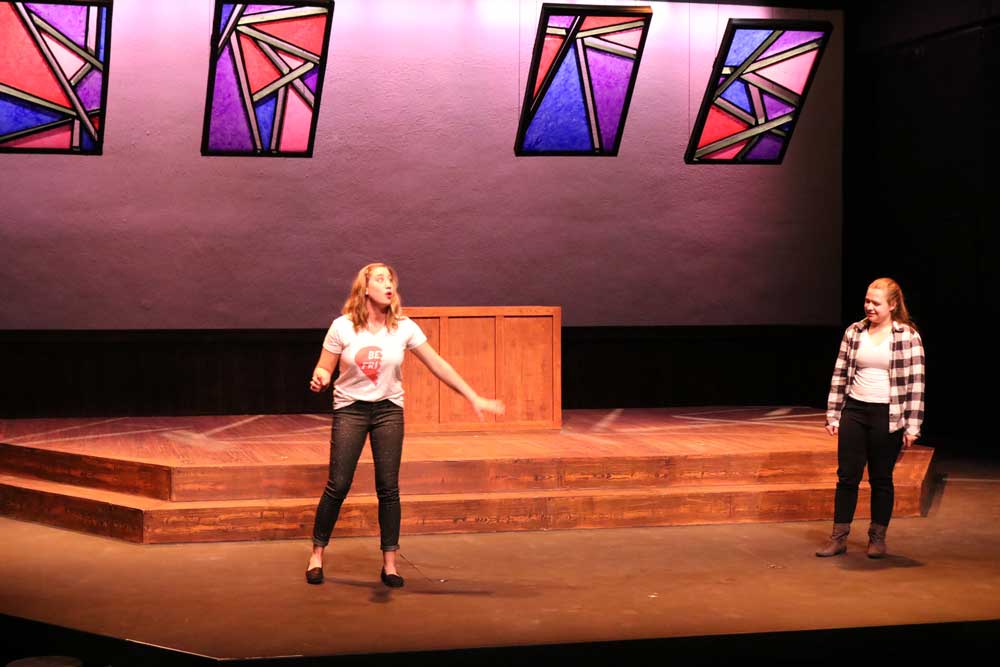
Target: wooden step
(469, 475)
(148, 520)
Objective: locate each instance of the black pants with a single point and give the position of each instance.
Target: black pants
(864, 438)
(351, 424)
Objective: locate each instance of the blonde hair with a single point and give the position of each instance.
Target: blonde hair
(894, 295)
(356, 307)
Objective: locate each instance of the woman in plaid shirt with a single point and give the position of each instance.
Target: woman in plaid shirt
(875, 409)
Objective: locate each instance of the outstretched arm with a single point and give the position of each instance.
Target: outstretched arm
(324, 370)
(444, 372)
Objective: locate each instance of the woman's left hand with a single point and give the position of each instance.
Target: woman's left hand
(481, 405)
(908, 440)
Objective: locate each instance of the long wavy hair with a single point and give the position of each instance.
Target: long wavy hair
(356, 306)
(894, 295)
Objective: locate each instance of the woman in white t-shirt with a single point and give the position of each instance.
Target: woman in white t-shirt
(875, 408)
(367, 343)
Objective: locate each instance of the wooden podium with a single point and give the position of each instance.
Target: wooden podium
(511, 353)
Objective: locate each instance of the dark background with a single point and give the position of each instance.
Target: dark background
(920, 134)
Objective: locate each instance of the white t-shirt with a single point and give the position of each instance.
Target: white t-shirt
(371, 364)
(871, 379)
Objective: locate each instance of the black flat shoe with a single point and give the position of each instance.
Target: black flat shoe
(314, 575)
(392, 580)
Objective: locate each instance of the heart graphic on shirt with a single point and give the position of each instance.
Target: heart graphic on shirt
(369, 360)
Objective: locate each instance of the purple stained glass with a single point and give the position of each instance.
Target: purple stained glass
(311, 78)
(229, 129)
(236, 123)
(609, 76)
(583, 110)
(776, 107)
(70, 20)
(744, 43)
(257, 9)
(789, 40)
(768, 147)
(90, 90)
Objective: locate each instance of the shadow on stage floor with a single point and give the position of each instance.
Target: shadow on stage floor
(921, 644)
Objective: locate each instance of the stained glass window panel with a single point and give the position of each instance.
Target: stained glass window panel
(54, 60)
(266, 77)
(756, 91)
(583, 71)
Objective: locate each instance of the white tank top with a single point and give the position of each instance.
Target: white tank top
(871, 377)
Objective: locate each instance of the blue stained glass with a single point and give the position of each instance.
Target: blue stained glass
(102, 18)
(744, 43)
(787, 127)
(738, 95)
(17, 115)
(227, 11)
(86, 143)
(561, 124)
(265, 119)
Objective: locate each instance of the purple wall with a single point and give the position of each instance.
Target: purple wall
(414, 165)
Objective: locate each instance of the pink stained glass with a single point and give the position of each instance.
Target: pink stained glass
(260, 70)
(69, 62)
(793, 73)
(592, 22)
(306, 32)
(719, 125)
(297, 124)
(549, 51)
(22, 66)
(789, 40)
(289, 59)
(57, 137)
(727, 153)
(629, 38)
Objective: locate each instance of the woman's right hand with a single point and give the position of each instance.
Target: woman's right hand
(831, 429)
(320, 380)
(481, 405)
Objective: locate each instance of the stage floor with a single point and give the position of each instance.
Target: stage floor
(239, 600)
(269, 440)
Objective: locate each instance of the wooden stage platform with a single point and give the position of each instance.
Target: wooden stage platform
(205, 479)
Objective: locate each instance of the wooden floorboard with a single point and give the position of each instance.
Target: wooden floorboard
(269, 439)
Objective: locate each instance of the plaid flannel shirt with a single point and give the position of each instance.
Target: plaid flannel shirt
(906, 377)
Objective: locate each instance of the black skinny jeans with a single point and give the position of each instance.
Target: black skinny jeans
(351, 424)
(864, 438)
